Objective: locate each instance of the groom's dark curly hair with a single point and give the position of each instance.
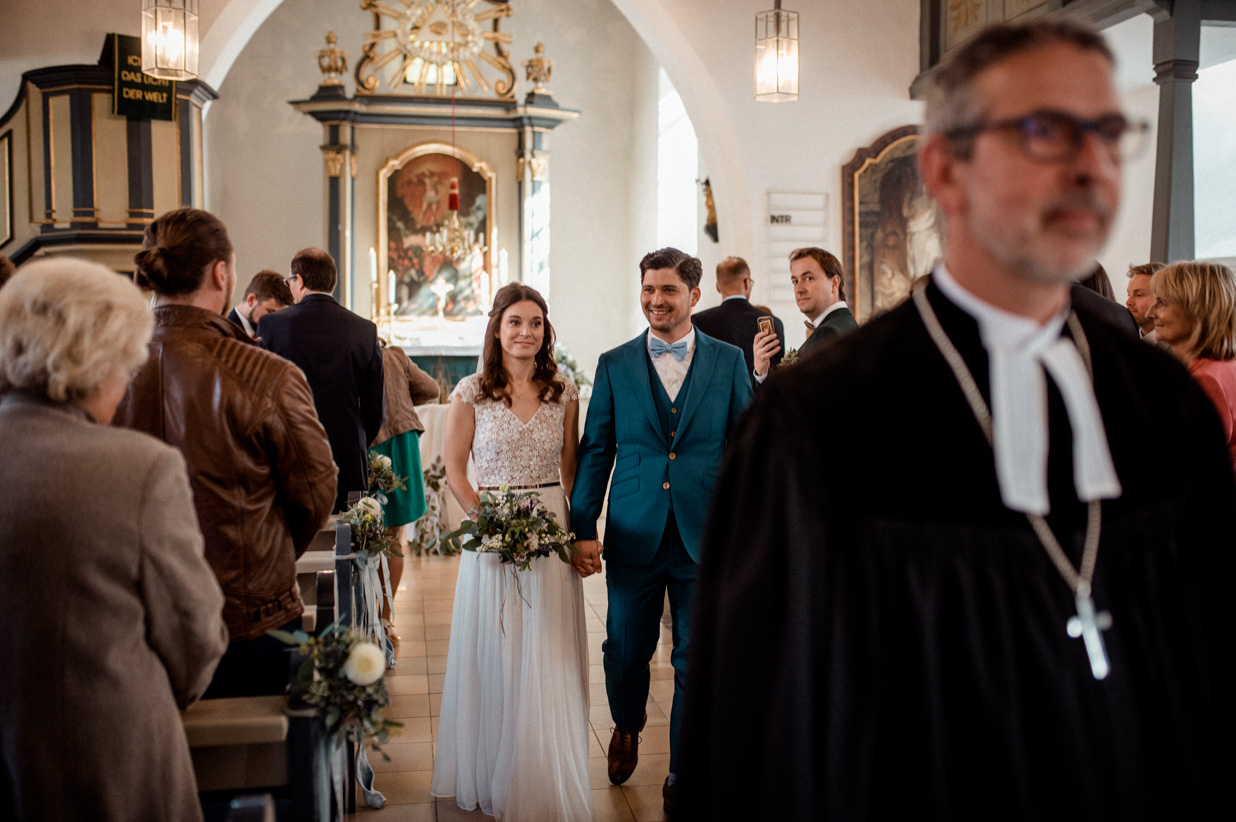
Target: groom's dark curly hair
(495, 380)
(688, 268)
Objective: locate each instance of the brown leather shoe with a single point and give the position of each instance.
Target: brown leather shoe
(624, 753)
(669, 794)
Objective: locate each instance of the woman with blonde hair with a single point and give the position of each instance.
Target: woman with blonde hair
(113, 618)
(1195, 314)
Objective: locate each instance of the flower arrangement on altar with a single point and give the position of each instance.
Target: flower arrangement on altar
(342, 676)
(428, 531)
(369, 534)
(571, 370)
(515, 526)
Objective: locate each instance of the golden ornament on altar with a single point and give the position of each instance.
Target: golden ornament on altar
(332, 61)
(437, 47)
(539, 69)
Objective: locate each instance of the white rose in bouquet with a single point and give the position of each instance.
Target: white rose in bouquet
(366, 663)
(372, 506)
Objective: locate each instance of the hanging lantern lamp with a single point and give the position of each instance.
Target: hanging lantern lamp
(776, 55)
(169, 39)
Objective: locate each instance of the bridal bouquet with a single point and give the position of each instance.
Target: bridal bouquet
(342, 676)
(515, 526)
(369, 532)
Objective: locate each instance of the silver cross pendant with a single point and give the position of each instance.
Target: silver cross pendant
(1087, 625)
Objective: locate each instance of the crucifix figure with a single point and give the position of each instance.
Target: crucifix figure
(1087, 625)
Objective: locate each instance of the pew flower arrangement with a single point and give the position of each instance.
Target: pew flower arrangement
(515, 526)
(369, 534)
(382, 476)
(342, 676)
(429, 529)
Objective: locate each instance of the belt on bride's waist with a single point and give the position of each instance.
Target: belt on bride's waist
(520, 487)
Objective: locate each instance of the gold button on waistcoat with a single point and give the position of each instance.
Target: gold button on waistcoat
(673, 410)
(665, 486)
(672, 456)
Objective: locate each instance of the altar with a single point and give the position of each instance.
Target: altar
(435, 175)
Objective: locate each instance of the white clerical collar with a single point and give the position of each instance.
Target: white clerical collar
(837, 306)
(244, 323)
(1019, 351)
(689, 337)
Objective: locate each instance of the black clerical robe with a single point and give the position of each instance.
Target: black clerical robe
(878, 637)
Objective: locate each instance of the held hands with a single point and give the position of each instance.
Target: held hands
(587, 557)
(764, 348)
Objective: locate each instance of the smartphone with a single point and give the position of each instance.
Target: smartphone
(765, 324)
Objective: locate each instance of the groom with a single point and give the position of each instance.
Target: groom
(661, 410)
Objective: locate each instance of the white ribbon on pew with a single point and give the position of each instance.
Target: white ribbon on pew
(365, 775)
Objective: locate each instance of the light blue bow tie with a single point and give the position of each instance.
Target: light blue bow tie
(658, 346)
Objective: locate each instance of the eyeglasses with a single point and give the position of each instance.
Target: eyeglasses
(1053, 136)
(288, 279)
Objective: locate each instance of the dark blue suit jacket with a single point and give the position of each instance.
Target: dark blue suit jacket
(623, 432)
(736, 321)
(339, 353)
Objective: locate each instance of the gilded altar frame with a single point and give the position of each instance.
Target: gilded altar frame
(892, 227)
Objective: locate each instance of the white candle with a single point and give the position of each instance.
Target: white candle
(390, 280)
(373, 265)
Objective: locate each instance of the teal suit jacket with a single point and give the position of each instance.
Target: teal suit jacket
(623, 432)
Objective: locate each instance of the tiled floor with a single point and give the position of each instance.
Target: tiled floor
(423, 618)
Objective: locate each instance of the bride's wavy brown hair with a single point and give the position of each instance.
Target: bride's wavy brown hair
(495, 381)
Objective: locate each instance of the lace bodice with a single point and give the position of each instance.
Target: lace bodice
(508, 451)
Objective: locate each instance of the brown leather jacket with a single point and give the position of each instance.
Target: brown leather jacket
(406, 387)
(259, 462)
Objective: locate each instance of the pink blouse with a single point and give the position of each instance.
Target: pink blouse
(1218, 380)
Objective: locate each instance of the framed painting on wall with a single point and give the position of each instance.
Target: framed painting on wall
(892, 227)
(413, 203)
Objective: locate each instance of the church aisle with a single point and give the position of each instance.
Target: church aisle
(423, 618)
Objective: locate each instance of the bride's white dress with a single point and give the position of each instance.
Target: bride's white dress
(513, 730)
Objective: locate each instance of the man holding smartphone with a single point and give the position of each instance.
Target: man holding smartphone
(819, 291)
(736, 321)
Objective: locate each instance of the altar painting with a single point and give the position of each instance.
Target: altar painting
(415, 191)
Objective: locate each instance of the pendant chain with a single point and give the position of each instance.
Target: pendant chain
(1078, 581)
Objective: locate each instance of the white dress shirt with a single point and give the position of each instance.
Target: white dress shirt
(834, 307)
(244, 322)
(672, 371)
(1021, 352)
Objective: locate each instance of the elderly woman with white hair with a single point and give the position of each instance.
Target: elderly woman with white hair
(113, 619)
(1195, 314)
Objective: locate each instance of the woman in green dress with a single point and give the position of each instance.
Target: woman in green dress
(406, 387)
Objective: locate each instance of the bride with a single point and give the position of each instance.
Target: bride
(513, 731)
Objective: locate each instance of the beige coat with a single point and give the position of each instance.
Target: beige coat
(406, 386)
(112, 620)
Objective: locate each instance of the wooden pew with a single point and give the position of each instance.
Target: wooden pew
(275, 742)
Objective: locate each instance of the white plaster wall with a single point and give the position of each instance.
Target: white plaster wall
(264, 172)
(1129, 242)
